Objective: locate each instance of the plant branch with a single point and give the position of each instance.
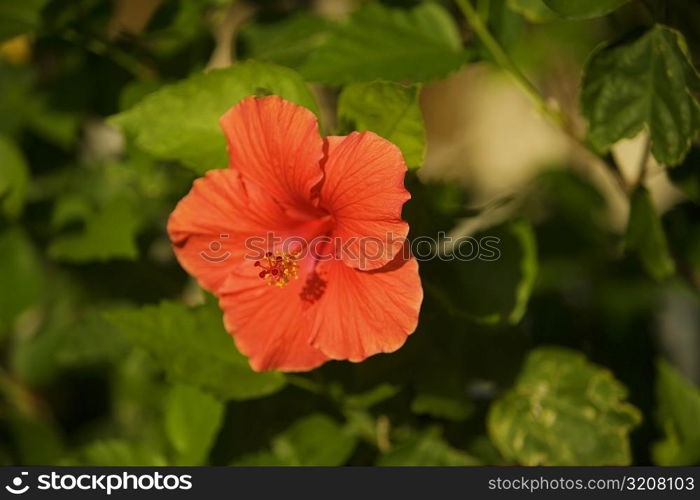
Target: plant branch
(644, 163)
(615, 170)
(225, 32)
(118, 56)
(551, 111)
(501, 57)
(19, 398)
(383, 432)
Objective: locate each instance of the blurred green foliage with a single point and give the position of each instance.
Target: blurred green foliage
(551, 354)
(17, 18)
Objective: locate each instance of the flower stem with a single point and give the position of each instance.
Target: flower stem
(644, 162)
(502, 59)
(551, 110)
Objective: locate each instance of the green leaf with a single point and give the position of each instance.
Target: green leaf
(678, 403)
(482, 448)
(185, 24)
(192, 346)
(109, 231)
(22, 277)
(181, 121)
(134, 91)
(37, 440)
(370, 398)
(389, 110)
(534, 10)
(647, 82)
(382, 43)
(19, 17)
(449, 407)
(441, 392)
(584, 9)
(426, 448)
(316, 440)
(115, 452)
(563, 410)
(260, 459)
(16, 96)
(495, 289)
(138, 399)
(356, 407)
(14, 178)
(87, 340)
(645, 236)
(288, 42)
(58, 127)
(192, 420)
(91, 339)
(686, 176)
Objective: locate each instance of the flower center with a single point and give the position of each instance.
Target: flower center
(279, 268)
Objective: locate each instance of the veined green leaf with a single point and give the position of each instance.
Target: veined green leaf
(647, 82)
(193, 348)
(563, 410)
(181, 121)
(382, 43)
(288, 42)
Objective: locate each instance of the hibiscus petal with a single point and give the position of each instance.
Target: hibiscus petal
(268, 322)
(210, 226)
(363, 190)
(363, 313)
(275, 144)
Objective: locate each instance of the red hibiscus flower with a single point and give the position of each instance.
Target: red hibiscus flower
(294, 307)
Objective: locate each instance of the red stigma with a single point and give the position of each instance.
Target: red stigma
(278, 270)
